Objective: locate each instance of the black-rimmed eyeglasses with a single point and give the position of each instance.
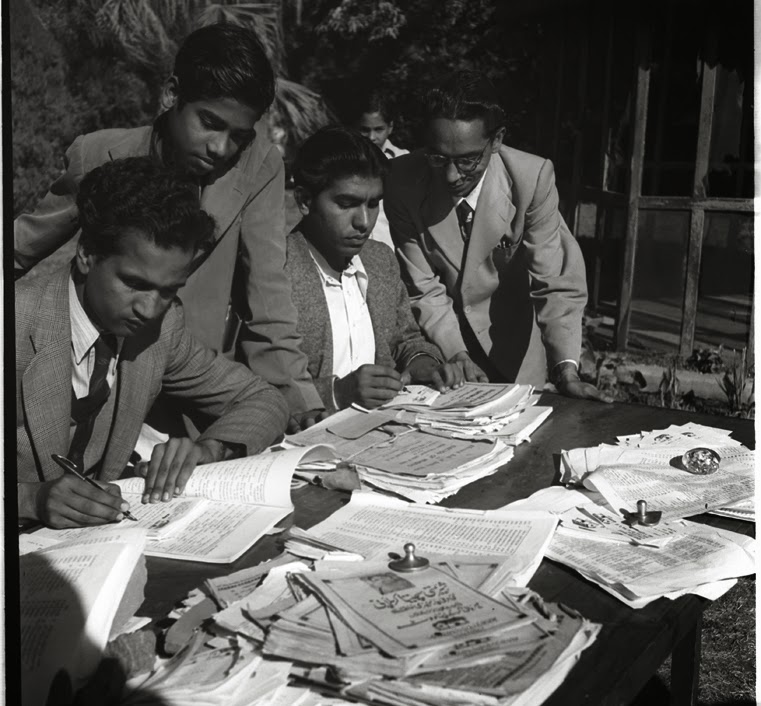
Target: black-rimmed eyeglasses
(464, 165)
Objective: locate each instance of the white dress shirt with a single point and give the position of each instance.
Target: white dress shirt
(352, 328)
(83, 337)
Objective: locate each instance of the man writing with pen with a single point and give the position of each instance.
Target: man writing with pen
(98, 340)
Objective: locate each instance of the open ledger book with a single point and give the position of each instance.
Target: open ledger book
(225, 509)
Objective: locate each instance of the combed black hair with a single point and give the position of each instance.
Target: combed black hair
(467, 96)
(335, 152)
(373, 101)
(224, 60)
(138, 194)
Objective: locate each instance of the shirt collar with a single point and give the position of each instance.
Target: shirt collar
(83, 331)
(331, 276)
(472, 197)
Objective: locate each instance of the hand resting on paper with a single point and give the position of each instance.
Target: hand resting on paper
(68, 501)
(470, 371)
(425, 370)
(172, 464)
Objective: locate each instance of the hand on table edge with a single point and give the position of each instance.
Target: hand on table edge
(565, 377)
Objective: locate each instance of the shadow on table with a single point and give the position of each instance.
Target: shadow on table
(59, 665)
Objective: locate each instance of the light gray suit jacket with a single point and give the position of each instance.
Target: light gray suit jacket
(233, 404)
(522, 287)
(397, 336)
(247, 205)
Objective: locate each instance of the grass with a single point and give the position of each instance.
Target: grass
(728, 654)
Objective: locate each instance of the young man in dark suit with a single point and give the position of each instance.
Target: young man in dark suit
(98, 340)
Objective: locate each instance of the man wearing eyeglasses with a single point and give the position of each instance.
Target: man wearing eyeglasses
(495, 277)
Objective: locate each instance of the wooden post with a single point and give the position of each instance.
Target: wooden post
(697, 213)
(634, 189)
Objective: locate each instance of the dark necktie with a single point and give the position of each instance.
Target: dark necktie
(84, 411)
(465, 217)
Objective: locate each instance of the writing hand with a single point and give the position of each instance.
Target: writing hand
(369, 386)
(469, 369)
(70, 502)
(172, 464)
(303, 420)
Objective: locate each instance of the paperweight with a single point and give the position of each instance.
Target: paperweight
(701, 461)
(643, 516)
(409, 562)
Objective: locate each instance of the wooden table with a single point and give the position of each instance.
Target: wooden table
(632, 644)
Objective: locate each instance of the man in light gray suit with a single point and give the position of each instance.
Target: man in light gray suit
(495, 277)
(96, 342)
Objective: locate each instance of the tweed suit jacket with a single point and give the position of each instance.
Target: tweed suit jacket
(397, 336)
(247, 205)
(233, 404)
(522, 286)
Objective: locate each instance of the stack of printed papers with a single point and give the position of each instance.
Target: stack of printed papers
(450, 633)
(648, 467)
(428, 450)
(473, 411)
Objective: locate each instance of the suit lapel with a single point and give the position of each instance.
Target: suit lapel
(440, 219)
(494, 214)
(46, 382)
(225, 199)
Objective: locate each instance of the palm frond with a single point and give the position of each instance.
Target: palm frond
(299, 110)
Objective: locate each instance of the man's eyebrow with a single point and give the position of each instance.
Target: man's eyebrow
(219, 120)
(142, 282)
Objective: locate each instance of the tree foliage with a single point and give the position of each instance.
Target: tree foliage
(343, 46)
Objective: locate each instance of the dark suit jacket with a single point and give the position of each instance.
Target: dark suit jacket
(522, 287)
(243, 409)
(397, 336)
(247, 204)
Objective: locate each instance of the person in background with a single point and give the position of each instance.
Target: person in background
(354, 317)
(373, 118)
(99, 339)
(237, 299)
(495, 277)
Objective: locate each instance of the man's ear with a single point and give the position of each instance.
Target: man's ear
(303, 200)
(497, 141)
(390, 126)
(82, 259)
(169, 96)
